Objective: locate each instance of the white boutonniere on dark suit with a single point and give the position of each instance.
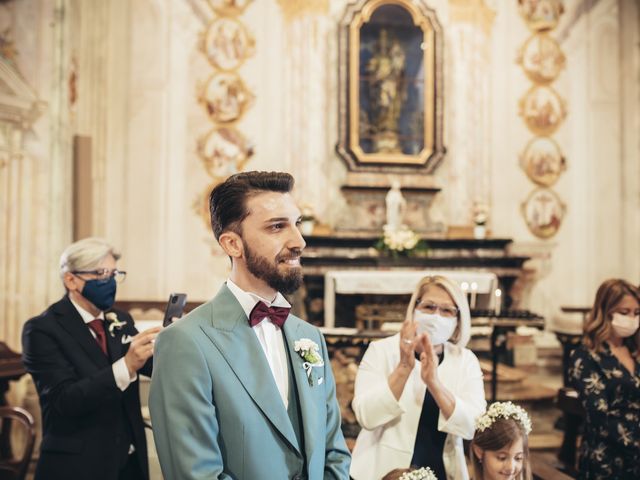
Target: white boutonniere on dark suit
(309, 351)
(114, 323)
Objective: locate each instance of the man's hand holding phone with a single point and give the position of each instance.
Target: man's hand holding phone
(140, 349)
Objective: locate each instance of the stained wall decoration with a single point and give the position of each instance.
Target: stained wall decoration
(543, 110)
(227, 44)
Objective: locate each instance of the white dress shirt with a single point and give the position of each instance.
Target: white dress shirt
(269, 335)
(120, 370)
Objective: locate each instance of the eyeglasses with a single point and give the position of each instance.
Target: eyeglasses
(430, 307)
(103, 274)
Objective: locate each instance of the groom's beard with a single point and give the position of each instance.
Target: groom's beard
(285, 279)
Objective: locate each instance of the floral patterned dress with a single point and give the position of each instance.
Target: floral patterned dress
(610, 395)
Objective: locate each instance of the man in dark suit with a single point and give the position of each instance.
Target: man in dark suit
(84, 358)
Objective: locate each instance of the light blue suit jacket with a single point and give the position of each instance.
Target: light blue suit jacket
(216, 410)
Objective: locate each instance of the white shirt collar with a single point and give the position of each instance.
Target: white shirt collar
(86, 316)
(248, 300)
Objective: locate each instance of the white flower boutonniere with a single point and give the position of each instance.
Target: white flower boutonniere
(310, 353)
(114, 323)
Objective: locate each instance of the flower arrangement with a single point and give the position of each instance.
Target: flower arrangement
(503, 410)
(401, 241)
(114, 323)
(309, 351)
(424, 473)
(480, 213)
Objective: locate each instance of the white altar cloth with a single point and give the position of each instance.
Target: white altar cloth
(393, 282)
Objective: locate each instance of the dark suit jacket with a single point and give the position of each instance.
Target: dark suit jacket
(88, 421)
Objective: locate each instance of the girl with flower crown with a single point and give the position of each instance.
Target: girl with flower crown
(500, 448)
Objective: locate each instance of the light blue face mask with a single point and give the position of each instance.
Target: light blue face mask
(102, 293)
(438, 328)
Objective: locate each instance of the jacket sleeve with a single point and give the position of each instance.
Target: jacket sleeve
(373, 402)
(337, 456)
(56, 379)
(183, 413)
(469, 397)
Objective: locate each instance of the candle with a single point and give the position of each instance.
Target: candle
(464, 286)
(497, 306)
(474, 292)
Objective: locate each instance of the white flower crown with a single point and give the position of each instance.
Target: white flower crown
(424, 473)
(503, 410)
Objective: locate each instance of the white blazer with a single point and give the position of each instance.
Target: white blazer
(389, 426)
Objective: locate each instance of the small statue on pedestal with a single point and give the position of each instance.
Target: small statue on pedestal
(396, 207)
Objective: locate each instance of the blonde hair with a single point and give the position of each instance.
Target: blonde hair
(502, 433)
(462, 332)
(597, 328)
(85, 254)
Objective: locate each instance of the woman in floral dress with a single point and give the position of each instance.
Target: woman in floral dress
(606, 373)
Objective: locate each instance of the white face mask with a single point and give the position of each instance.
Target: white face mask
(625, 325)
(438, 327)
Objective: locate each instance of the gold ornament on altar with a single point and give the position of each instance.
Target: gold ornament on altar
(224, 151)
(542, 110)
(543, 212)
(541, 58)
(226, 97)
(229, 7)
(227, 43)
(541, 15)
(542, 161)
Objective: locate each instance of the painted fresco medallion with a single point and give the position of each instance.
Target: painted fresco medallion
(543, 212)
(541, 15)
(541, 58)
(226, 97)
(224, 151)
(227, 43)
(543, 161)
(542, 110)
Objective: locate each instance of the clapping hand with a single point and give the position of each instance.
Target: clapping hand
(408, 342)
(428, 360)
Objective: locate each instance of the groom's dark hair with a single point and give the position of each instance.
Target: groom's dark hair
(228, 200)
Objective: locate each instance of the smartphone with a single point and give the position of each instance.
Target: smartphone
(175, 307)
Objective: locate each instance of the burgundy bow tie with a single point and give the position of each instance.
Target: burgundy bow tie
(277, 315)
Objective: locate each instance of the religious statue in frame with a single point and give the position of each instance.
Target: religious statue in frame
(390, 86)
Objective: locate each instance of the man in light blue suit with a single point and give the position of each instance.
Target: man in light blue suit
(241, 389)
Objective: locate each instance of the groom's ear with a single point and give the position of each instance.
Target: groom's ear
(231, 243)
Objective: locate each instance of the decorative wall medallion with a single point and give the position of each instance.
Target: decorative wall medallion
(229, 7)
(541, 15)
(227, 43)
(543, 161)
(543, 211)
(541, 58)
(224, 151)
(542, 110)
(226, 97)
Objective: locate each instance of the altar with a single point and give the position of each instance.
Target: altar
(400, 282)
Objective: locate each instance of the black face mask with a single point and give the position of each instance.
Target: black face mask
(102, 293)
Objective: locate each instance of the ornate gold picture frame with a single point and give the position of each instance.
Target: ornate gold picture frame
(390, 86)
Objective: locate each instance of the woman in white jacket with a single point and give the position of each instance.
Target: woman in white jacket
(418, 393)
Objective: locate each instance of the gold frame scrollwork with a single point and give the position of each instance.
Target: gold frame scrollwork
(384, 151)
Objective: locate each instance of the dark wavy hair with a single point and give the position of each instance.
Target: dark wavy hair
(228, 200)
(597, 328)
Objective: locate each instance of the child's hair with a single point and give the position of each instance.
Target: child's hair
(499, 427)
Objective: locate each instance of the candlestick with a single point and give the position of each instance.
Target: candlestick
(474, 292)
(464, 286)
(498, 302)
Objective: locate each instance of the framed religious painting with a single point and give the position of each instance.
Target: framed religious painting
(543, 212)
(390, 101)
(541, 15)
(541, 58)
(227, 43)
(224, 151)
(226, 97)
(542, 161)
(542, 109)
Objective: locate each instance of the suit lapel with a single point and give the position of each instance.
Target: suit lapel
(238, 344)
(69, 319)
(306, 392)
(114, 342)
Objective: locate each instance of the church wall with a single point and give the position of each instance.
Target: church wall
(138, 73)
